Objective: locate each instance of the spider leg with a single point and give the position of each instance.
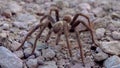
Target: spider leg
(77, 15)
(29, 33)
(80, 46)
(56, 13)
(90, 29)
(48, 36)
(58, 37)
(66, 36)
(38, 36)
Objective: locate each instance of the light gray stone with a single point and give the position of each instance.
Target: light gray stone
(112, 62)
(14, 6)
(19, 53)
(48, 53)
(9, 59)
(116, 35)
(100, 32)
(112, 47)
(100, 56)
(20, 24)
(49, 64)
(32, 63)
(26, 17)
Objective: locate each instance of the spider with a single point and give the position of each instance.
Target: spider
(64, 26)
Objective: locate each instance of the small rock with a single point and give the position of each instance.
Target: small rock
(100, 32)
(6, 12)
(112, 47)
(62, 4)
(5, 26)
(112, 62)
(111, 27)
(9, 59)
(14, 7)
(26, 17)
(100, 56)
(3, 35)
(20, 24)
(61, 62)
(84, 6)
(48, 53)
(98, 12)
(28, 51)
(49, 64)
(32, 63)
(14, 45)
(19, 53)
(116, 35)
(40, 60)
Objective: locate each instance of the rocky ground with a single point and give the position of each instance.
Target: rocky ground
(17, 17)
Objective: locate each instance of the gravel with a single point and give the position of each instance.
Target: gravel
(17, 18)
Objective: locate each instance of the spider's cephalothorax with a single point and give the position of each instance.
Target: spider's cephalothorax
(64, 26)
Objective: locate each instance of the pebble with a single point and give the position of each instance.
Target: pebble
(5, 26)
(32, 63)
(84, 6)
(27, 51)
(26, 17)
(98, 12)
(112, 62)
(20, 24)
(48, 53)
(100, 32)
(116, 35)
(19, 53)
(112, 47)
(14, 7)
(100, 56)
(14, 45)
(49, 64)
(9, 59)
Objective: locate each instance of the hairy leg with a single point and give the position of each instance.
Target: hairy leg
(80, 46)
(76, 17)
(29, 33)
(91, 32)
(58, 37)
(48, 36)
(38, 36)
(66, 36)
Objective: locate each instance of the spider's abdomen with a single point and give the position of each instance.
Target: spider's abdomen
(58, 26)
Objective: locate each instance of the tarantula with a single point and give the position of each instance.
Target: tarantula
(64, 26)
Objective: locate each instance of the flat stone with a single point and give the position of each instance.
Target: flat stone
(32, 63)
(112, 62)
(9, 59)
(100, 56)
(19, 53)
(100, 32)
(112, 47)
(48, 53)
(49, 64)
(116, 35)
